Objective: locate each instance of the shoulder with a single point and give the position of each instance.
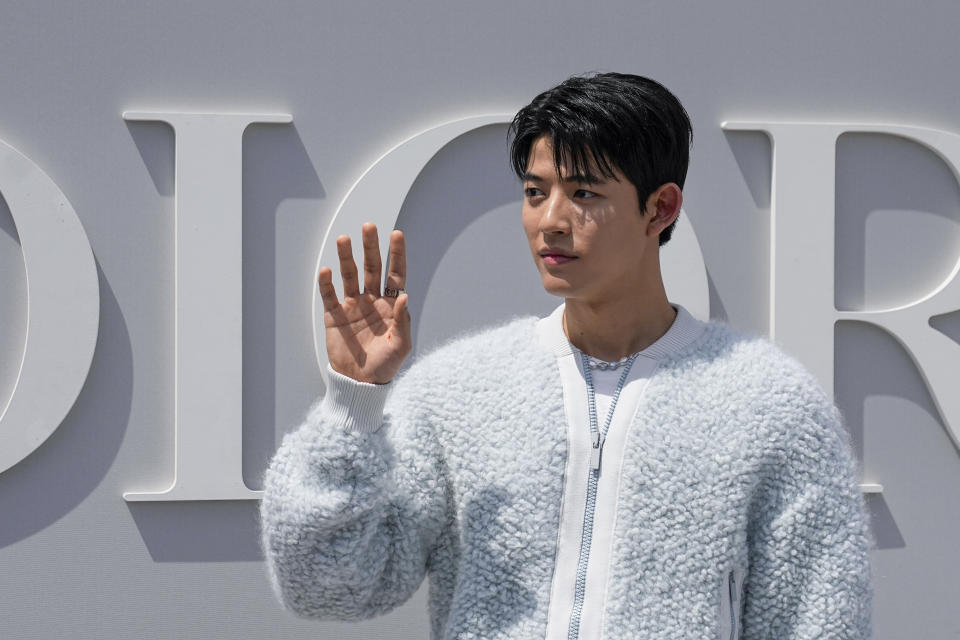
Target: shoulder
(473, 356)
(761, 389)
(488, 345)
(737, 360)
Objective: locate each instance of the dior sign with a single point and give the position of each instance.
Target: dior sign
(63, 294)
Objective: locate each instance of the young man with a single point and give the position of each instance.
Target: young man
(615, 470)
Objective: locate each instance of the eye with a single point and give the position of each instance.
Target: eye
(583, 194)
(532, 192)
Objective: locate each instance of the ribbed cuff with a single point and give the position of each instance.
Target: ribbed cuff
(356, 405)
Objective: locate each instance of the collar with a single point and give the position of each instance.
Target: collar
(684, 330)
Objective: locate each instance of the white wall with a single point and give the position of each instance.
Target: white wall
(78, 561)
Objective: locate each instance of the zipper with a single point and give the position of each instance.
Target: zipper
(731, 587)
(574, 631)
(597, 443)
(597, 437)
(731, 602)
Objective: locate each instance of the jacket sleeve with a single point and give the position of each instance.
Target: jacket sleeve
(809, 574)
(353, 503)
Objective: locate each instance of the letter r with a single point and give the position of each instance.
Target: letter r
(802, 278)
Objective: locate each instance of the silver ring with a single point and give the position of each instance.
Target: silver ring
(392, 293)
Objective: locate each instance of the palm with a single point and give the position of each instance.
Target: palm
(367, 334)
(362, 337)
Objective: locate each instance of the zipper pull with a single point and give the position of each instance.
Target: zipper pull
(595, 452)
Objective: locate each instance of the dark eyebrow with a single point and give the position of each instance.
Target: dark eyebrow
(584, 178)
(579, 178)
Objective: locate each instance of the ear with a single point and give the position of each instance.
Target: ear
(663, 207)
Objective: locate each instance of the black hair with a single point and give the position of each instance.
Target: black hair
(609, 121)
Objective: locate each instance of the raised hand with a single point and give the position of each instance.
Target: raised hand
(368, 333)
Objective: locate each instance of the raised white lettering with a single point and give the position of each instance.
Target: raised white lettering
(208, 391)
(802, 280)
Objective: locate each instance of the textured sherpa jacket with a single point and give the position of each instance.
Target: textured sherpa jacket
(736, 509)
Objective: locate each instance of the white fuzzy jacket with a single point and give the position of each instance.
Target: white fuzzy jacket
(737, 514)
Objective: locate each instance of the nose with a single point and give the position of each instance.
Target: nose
(556, 216)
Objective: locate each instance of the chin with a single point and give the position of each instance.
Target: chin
(555, 287)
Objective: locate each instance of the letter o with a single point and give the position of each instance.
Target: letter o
(63, 307)
(378, 195)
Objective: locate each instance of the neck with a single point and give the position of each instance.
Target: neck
(614, 328)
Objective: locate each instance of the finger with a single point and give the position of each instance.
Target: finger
(348, 268)
(401, 317)
(372, 266)
(397, 275)
(328, 294)
(401, 313)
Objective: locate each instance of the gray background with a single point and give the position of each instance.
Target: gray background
(77, 561)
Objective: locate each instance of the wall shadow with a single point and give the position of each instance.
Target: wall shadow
(948, 324)
(276, 166)
(718, 311)
(7, 225)
(201, 531)
(13, 305)
(754, 155)
(155, 142)
(870, 363)
(64, 470)
(886, 533)
(909, 187)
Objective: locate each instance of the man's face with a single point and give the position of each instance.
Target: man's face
(587, 233)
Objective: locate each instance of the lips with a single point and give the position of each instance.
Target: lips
(555, 256)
